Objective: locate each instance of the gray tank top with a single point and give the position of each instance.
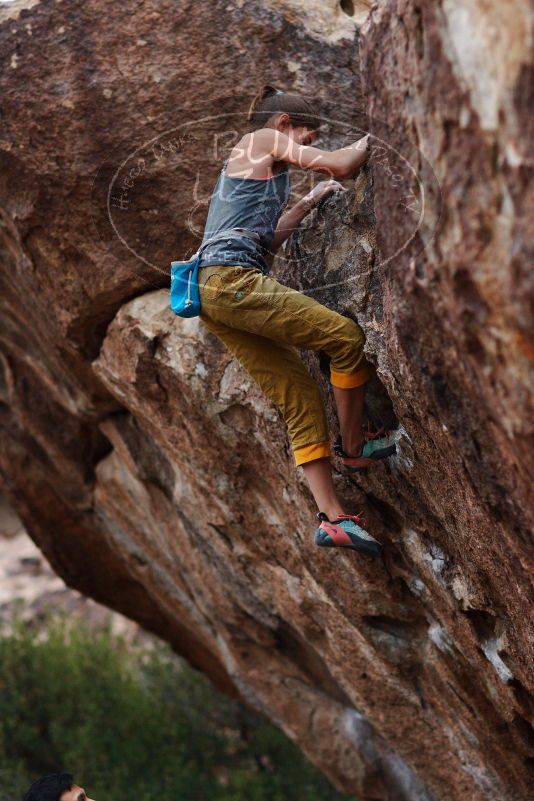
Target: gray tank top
(254, 204)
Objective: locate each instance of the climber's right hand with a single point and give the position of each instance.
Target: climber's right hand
(363, 146)
(321, 190)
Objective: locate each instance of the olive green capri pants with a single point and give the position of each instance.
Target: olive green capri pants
(263, 322)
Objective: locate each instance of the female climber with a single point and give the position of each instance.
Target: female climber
(262, 322)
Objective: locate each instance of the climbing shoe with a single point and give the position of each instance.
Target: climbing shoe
(375, 446)
(346, 531)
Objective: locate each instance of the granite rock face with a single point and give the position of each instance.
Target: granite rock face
(149, 468)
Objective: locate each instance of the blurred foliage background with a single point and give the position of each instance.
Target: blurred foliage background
(133, 721)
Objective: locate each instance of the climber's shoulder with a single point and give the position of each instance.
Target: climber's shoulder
(284, 148)
(257, 150)
(251, 156)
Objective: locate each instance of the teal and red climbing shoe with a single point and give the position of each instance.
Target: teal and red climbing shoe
(375, 446)
(346, 531)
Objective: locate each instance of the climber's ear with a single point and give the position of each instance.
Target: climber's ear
(283, 120)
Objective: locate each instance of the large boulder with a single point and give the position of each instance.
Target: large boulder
(148, 466)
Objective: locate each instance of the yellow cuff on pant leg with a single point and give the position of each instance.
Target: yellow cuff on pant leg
(310, 452)
(350, 380)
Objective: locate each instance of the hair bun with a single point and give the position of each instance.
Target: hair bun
(269, 101)
(269, 90)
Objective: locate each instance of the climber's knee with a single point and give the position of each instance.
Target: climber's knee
(304, 414)
(350, 380)
(307, 453)
(305, 417)
(282, 376)
(349, 367)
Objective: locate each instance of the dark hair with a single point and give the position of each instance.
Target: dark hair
(269, 101)
(49, 788)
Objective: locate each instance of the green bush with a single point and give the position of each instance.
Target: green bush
(135, 723)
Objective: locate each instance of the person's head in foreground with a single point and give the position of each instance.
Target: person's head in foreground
(287, 112)
(56, 787)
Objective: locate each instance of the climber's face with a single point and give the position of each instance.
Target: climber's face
(74, 794)
(303, 135)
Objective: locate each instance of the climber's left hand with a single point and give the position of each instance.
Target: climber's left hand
(321, 190)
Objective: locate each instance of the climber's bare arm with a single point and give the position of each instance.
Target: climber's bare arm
(341, 163)
(292, 218)
(255, 153)
(289, 221)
